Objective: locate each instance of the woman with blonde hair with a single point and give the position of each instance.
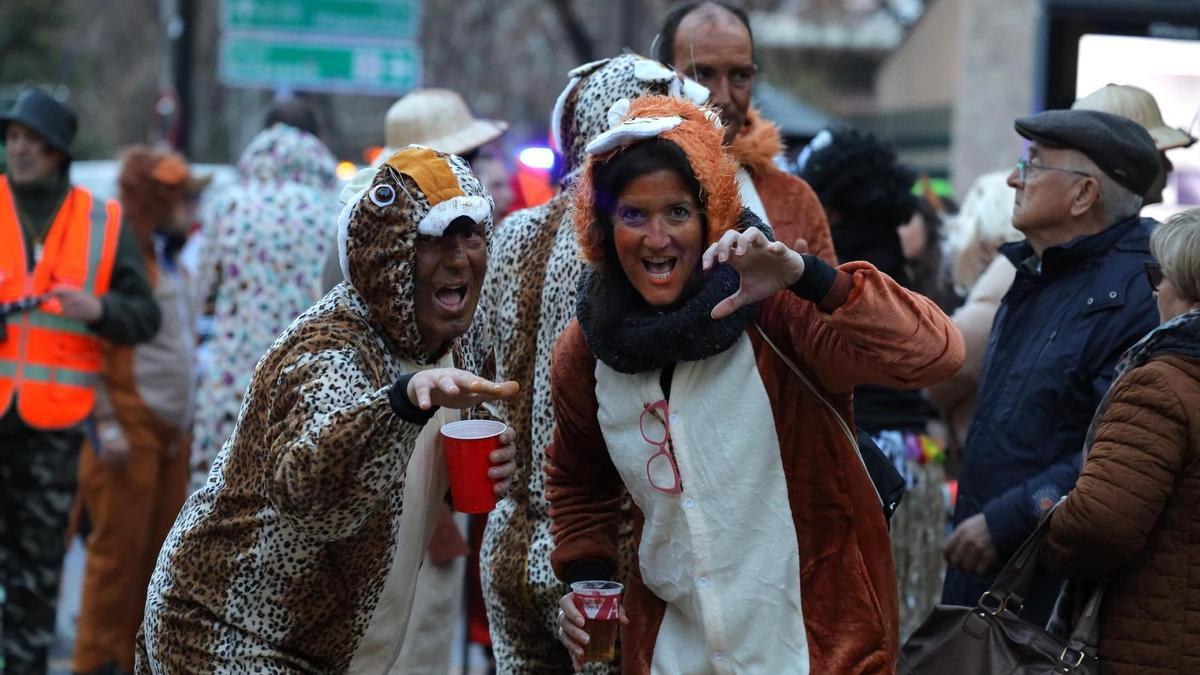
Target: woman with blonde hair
(1130, 521)
(973, 238)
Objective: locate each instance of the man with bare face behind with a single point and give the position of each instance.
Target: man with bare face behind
(711, 42)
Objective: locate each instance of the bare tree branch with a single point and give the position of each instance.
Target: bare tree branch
(581, 43)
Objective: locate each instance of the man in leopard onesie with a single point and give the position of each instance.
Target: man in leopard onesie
(301, 551)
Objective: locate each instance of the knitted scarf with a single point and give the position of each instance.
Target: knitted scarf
(649, 340)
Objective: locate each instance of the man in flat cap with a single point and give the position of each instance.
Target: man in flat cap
(71, 278)
(1078, 301)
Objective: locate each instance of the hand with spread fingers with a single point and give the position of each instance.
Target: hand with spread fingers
(454, 388)
(766, 267)
(570, 628)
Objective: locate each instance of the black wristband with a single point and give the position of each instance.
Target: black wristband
(404, 408)
(588, 569)
(817, 279)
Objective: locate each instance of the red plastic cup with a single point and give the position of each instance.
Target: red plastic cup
(600, 604)
(468, 444)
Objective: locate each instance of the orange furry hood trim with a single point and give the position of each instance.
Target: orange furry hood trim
(700, 139)
(758, 143)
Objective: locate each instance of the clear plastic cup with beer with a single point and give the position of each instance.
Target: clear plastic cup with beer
(600, 604)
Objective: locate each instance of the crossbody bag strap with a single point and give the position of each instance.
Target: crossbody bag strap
(1011, 585)
(850, 435)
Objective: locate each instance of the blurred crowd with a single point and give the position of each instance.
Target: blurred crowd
(1021, 362)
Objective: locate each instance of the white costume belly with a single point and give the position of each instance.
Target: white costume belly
(723, 554)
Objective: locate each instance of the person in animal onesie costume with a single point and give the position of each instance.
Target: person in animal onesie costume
(301, 551)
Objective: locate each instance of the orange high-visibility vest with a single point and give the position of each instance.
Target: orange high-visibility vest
(49, 364)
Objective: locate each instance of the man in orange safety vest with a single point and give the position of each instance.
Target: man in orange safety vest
(70, 279)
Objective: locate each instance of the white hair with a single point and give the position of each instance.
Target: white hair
(1117, 202)
(984, 222)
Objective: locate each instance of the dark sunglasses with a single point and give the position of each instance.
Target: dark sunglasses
(1154, 275)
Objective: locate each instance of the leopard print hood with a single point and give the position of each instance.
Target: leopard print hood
(696, 130)
(416, 192)
(581, 112)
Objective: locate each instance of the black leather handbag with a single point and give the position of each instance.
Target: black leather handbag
(992, 639)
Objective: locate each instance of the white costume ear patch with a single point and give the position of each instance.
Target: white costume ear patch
(632, 131)
(693, 91)
(649, 70)
(434, 223)
(617, 112)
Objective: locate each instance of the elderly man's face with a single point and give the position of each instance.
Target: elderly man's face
(448, 275)
(30, 159)
(1043, 199)
(714, 48)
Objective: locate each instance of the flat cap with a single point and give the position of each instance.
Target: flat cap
(1122, 148)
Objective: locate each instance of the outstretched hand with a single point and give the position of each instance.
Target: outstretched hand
(766, 267)
(454, 388)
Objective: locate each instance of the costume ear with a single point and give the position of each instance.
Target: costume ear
(617, 112)
(649, 70)
(631, 131)
(587, 68)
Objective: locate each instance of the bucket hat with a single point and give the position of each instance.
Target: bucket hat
(51, 120)
(1138, 105)
(438, 119)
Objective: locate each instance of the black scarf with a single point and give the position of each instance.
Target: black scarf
(649, 340)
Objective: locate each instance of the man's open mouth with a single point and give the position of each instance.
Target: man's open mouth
(659, 267)
(451, 298)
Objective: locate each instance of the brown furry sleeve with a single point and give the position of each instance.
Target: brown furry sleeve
(880, 334)
(582, 485)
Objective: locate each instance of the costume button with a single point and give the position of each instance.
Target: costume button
(718, 656)
(702, 582)
(674, 418)
(689, 503)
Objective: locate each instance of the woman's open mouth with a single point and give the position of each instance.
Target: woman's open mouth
(451, 298)
(659, 267)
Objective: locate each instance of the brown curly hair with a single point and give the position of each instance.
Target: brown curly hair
(152, 183)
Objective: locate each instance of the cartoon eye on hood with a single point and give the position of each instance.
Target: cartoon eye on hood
(383, 195)
(416, 192)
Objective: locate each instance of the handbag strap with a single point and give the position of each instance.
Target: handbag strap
(1086, 634)
(850, 435)
(1012, 583)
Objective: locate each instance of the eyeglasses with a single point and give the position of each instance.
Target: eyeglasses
(1154, 275)
(1025, 165)
(661, 469)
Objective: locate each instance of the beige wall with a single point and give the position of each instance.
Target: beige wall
(996, 86)
(922, 72)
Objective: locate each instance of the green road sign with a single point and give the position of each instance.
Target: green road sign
(385, 19)
(351, 66)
